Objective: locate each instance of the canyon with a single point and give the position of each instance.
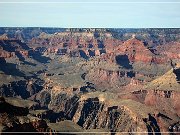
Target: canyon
(75, 81)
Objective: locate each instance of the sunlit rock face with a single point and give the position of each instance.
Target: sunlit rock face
(104, 80)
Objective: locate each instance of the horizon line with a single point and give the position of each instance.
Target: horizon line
(88, 132)
(88, 2)
(89, 27)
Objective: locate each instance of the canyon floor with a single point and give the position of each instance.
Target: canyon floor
(89, 81)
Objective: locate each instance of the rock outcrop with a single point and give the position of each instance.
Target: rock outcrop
(16, 119)
(111, 80)
(98, 110)
(4, 37)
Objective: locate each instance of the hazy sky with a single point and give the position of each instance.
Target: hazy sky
(90, 13)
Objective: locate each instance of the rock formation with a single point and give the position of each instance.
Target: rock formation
(89, 80)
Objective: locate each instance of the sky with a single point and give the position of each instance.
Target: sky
(90, 13)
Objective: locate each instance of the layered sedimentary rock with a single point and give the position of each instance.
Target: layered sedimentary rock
(10, 48)
(5, 54)
(16, 119)
(4, 37)
(99, 79)
(97, 110)
(170, 50)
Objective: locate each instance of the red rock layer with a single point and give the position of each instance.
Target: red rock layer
(5, 54)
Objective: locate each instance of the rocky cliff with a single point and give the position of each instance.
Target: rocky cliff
(89, 80)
